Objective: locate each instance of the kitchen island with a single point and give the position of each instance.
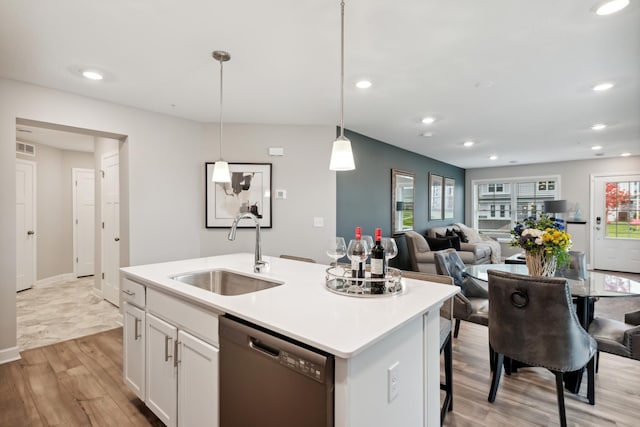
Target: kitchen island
(367, 336)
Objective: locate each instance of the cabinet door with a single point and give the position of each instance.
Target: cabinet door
(161, 369)
(198, 382)
(134, 349)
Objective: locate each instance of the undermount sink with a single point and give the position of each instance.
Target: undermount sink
(225, 282)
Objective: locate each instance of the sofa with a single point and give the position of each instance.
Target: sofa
(483, 250)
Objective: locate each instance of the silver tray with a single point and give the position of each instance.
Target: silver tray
(339, 281)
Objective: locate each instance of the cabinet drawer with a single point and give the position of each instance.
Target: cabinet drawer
(197, 320)
(133, 292)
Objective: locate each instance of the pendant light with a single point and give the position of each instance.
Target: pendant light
(221, 168)
(341, 154)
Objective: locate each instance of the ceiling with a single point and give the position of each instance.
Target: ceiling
(515, 76)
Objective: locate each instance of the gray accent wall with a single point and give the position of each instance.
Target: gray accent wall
(364, 195)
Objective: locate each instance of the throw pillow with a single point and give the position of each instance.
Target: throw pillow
(455, 242)
(463, 237)
(438, 244)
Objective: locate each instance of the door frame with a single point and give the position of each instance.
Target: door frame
(34, 176)
(592, 208)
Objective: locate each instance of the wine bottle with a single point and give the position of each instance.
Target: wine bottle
(377, 264)
(359, 252)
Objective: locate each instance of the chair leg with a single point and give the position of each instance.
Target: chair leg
(497, 370)
(591, 379)
(560, 392)
(492, 355)
(597, 360)
(456, 329)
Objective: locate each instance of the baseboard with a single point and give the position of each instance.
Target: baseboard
(9, 355)
(54, 279)
(98, 293)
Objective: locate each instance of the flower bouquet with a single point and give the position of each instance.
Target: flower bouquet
(545, 242)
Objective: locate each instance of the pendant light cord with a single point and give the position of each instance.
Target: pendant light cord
(221, 62)
(342, 70)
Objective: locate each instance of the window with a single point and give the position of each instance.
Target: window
(499, 204)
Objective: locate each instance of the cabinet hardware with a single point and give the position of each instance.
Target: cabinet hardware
(167, 356)
(128, 292)
(175, 354)
(136, 331)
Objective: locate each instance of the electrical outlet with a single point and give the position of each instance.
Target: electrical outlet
(393, 381)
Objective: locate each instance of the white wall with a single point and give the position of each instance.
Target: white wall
(303, 172)
(574, 179)
(164, 161)
(162, 183)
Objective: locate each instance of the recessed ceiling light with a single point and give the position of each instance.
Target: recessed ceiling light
(493, 157)
(625, 154)
(596, 147)
(610, 7)
(468, 143)
(363, 84)
(600, 87)
(427, 134)
(428, 120)
(92, 75)
(598, 126)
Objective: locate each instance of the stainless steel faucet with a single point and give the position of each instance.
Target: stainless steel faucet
(259, 265)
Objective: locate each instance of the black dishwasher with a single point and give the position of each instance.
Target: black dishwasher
(268, 380)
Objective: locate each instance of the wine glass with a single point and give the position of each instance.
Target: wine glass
(357, 252)
(369, 241)
(390, 250)
(337, 249)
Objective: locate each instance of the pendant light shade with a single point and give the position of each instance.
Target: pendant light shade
(221, 172)
(220, 167)
(341, 153)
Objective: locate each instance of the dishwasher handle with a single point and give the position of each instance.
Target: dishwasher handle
(261, 347)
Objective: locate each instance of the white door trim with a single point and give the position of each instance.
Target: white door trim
(110, 293)
(34, 167)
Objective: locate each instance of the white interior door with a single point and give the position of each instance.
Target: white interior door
(84, 221)
(110, 228)
(616, 222)
(25, 224)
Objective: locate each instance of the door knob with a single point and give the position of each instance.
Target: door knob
(31, 232)
(117, 239)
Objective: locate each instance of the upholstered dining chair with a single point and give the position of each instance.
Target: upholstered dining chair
(472, 304)
(297, 258)
(532, 320)
(446, 323)
(577, 268)
(616, 337)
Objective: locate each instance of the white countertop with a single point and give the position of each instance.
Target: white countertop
(302, 308)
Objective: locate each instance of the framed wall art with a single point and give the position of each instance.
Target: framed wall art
(248, 191)
(435, 196)
(449, 198)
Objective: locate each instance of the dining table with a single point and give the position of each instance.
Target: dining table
(584, 290)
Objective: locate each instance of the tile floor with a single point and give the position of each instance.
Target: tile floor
(56, 312)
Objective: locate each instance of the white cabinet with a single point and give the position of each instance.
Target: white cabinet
(134, 349)
(197, 382)
(182, 376)
(162, 375)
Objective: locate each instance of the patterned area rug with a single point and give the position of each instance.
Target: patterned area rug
(60, 311)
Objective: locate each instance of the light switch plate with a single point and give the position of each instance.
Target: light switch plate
(318, 221)
(393, 381)
(281, 194)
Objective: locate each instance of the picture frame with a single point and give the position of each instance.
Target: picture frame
(249, 191)
(436, 183)
(449, 197)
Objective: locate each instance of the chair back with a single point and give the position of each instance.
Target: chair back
(416, 243)
(532, 320)
(577, 268)
(446, 311)
(449, 263)
(298, 258)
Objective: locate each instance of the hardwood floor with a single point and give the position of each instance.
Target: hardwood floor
(72, 383)
(79, 383)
